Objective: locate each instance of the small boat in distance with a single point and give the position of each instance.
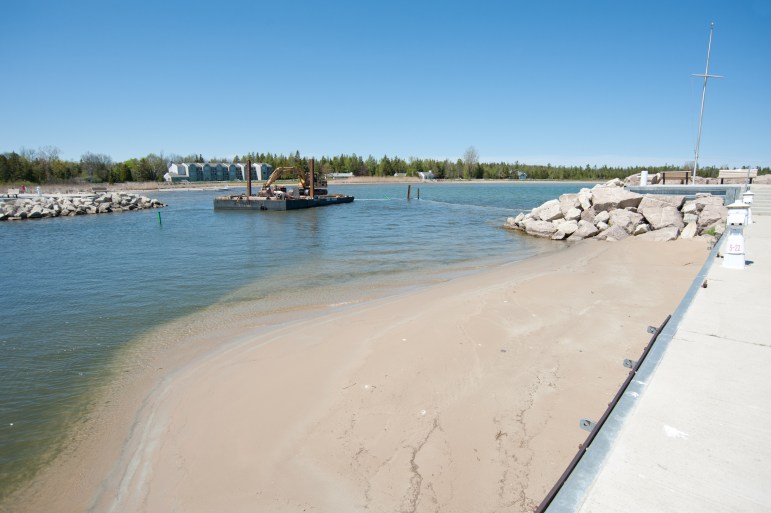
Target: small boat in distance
(310, 192)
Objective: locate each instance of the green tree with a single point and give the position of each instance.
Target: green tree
(144, 171)
(122, 172)
(47, 156)
(160, 165)
(96, 166)
(385, 168)
(370, 166)
(5, 169)
(470, 161)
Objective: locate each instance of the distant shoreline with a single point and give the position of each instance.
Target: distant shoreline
(74, 188)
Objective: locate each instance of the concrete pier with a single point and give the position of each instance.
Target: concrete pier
(694, 435)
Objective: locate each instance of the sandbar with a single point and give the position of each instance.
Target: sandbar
(460, 396)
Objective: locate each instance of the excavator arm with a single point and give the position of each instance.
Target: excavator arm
(280, 172)
(320, 182)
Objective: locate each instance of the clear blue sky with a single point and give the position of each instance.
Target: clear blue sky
(563, 82)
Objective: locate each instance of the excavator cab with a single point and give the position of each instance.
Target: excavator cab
(318, 182)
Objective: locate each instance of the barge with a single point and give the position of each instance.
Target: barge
(244, 202)
(310, 192)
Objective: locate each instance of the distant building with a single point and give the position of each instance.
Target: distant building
(215, 172)
(338, 176)
(400, 174)
(426, 175)
(521, 175)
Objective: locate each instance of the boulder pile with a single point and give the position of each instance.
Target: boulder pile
(610, 212)
(73, 205)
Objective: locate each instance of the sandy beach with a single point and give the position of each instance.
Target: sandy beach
(462, 396)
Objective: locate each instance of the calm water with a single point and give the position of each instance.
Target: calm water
(77, 291)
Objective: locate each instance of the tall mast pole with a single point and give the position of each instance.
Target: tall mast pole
(706, 76)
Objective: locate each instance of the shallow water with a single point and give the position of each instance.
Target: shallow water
(78, 291)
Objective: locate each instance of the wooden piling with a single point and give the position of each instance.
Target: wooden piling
(312, 190)
(248, 178)
(409, 187)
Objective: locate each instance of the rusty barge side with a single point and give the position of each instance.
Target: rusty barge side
(244, 202)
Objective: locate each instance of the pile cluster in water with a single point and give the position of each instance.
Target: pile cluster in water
(37, 207)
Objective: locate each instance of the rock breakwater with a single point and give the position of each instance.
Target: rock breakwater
(610, 212)
(38, 207)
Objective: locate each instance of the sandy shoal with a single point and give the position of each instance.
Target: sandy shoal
(463, 396)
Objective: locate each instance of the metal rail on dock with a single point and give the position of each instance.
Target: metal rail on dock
(595, 429)
(567, 493)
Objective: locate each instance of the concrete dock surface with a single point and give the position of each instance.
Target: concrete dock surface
(695, 435)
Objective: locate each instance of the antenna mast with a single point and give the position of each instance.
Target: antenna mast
(706, 75)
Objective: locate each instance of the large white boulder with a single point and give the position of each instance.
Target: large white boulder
(610, 198)
(588, 215)
(36, 212)
(585, 198)
(675, 201)
(690, 218)
(584, 231)
(511, 222)
(703, 201)
(574, 214)
(625, 219)
(660, 214)
(641, 228)
(540, 228)
(564, 229)
(615, 182)
(549, 211)
(689, 231)
(602, 217)
(662, 235)
(613, 233)
(567, 202)
(711, 214)
(689, 207)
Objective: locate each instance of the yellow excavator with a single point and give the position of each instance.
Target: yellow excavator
(319, 182)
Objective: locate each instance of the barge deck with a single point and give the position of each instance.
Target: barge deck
(243, 202)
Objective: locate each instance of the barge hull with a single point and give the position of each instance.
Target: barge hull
(258, 203)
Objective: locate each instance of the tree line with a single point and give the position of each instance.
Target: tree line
(44, 166)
